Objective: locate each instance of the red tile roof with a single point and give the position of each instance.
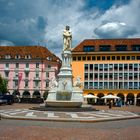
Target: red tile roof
(36, 52)
(112, 42)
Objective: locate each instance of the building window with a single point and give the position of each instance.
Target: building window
(98, 57)
(96, 67)
(74, 58)
(128, 57)
(105, 76)
(121, 47)
(37, 65)
(103, 57)
(27, 56)
(130, 76)
(135, 67)
(86, 67)
(17, 56)
(27, 65)
(104, 47)
(91, 76)
(16, 83)
(93, 58)
(91, 67)
(115, 76)
(130, 66)
(88, 58)
(96, 76)
(115, 66)
(138, 57)
(7, 65)
(17, 65)
(47, 74)
(106, 67)
(89, 48)
(135, 47)
(37, 75)
(26, 74)
(47, 83)
(36, 83)
(100, 85)
(100, 76)
(125, 66)
(118, 57)
(113, 57)
(95, 85)
(86, 76)
(79, 58)
(84, 58)
(7, 56)
(86, 85)
(101, 67)
(26, 83)
(108, 57)
(125, 76)
(105, 85)
(49, 66)
(123, 57)
(6, 74)
(121, 67)
(133, 57)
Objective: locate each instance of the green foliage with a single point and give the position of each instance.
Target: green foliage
(3, 85)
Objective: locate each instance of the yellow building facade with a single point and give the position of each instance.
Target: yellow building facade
(109, 66)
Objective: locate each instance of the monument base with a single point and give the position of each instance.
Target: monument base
(63, 104)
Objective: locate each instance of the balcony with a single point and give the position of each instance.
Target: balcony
(15, 78)
(7, 69)
(37, 79)
(50, 69)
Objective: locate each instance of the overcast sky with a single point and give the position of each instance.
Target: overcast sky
(33, 22)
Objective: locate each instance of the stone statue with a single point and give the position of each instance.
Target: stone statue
(78, 82)
(67, 38)
(53, 83)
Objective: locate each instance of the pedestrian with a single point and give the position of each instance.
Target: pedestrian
(110, 104)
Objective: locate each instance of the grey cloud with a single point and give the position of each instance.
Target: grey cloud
(114, 30)
(6, 43)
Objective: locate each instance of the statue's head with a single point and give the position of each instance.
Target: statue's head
(67, 27)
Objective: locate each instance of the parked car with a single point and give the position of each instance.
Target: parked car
(6, 99)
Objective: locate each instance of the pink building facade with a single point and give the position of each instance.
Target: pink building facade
(28, 69)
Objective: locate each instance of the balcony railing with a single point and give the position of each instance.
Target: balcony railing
(27, 69)
(37, 78)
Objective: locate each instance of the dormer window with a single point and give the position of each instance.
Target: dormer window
(89, 48)
(28, 56)
(17, 56)
(49, 58)
(121, 47)
(7, 56)
(104, 47)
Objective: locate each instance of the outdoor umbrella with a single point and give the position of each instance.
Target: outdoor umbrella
(110, 97)
(90, 96)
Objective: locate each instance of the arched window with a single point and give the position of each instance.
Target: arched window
(26, 94)
(36, 94)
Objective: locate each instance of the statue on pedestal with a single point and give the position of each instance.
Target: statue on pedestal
(67, 38)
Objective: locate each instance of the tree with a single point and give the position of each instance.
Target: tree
(3, 85)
